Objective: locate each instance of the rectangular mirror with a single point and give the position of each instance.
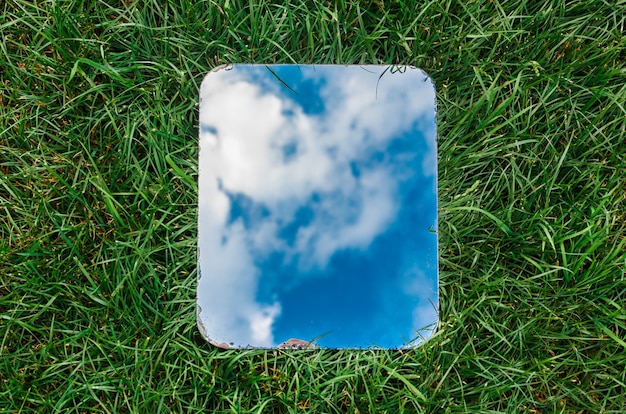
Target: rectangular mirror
(317, 207)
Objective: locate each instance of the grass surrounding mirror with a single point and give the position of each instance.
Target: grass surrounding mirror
(98, 206)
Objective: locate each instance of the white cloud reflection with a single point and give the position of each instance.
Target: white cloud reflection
(258, 143)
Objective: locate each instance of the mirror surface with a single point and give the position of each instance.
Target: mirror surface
(317, 207)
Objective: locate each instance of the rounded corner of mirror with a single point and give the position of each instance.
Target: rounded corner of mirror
(217, 69)
(205, 335)
(225, 66)
(426, 335)
(427, 76)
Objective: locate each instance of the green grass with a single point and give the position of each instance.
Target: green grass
(98, 169)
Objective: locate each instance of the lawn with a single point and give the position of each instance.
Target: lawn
(98, 201)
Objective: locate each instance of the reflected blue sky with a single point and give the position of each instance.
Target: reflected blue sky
(317, 205)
